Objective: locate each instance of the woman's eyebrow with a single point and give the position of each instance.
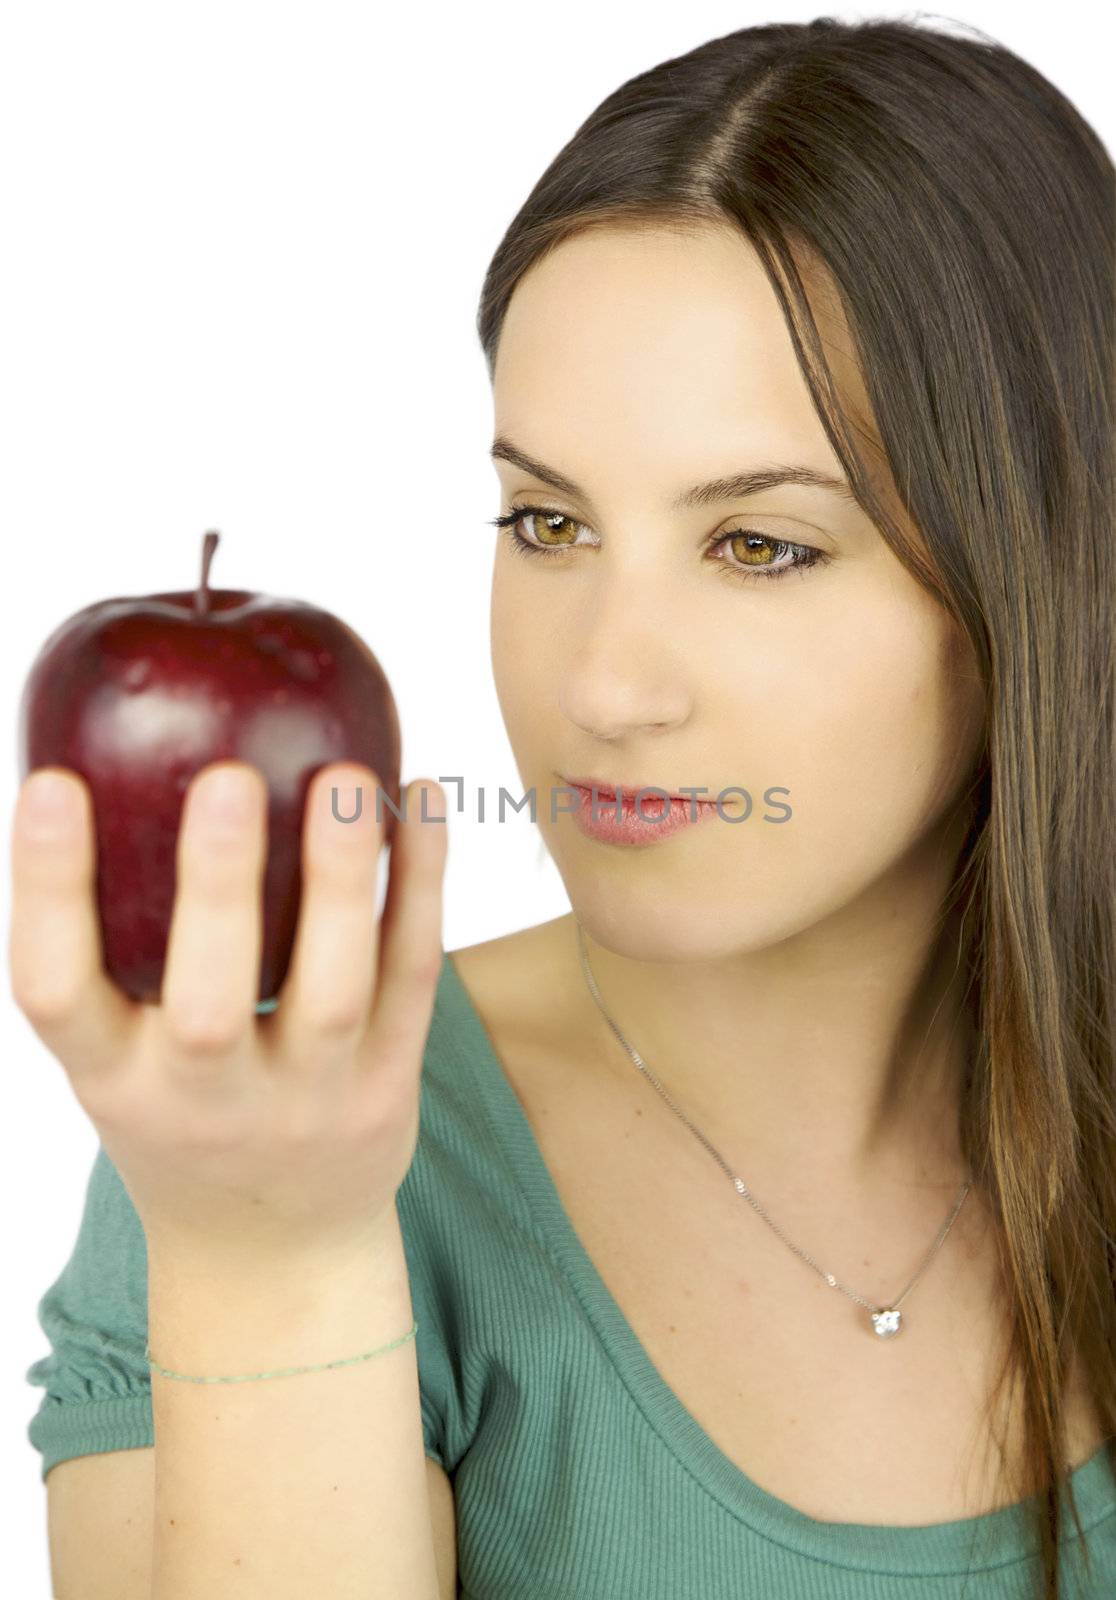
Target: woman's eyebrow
(733, 487)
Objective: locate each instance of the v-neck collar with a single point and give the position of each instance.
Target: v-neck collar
(1004, 1534)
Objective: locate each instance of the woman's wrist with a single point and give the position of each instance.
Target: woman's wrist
(220, 1314)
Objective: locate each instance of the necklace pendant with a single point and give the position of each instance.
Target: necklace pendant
(887, 1323)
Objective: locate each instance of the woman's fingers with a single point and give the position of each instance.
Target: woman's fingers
(411, 928)
(212, 971)
(352, 977)
(55, 952)
(327, 994)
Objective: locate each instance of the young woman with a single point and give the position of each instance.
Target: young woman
(758, 1217)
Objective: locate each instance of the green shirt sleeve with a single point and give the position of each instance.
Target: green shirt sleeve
(95, 1379)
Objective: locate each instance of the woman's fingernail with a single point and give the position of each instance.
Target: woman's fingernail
(349, 801)
(50, 800)
(227, 796)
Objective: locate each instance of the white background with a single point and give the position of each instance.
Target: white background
(242, 250)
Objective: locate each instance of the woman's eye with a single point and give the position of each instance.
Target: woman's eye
(552, 530)
(759, 554)
(751, 555)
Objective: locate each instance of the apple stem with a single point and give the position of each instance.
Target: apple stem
(201, 596)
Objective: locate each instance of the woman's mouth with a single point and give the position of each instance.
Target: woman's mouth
(635, 816)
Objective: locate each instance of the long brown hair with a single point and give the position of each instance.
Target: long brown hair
(964, 210)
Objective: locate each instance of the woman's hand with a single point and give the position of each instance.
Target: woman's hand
(237, 1136)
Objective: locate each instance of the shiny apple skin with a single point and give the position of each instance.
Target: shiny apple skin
(137, 694)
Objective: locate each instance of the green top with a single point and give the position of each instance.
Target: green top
(577, 1470)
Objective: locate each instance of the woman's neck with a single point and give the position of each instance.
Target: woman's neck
(840, 1052)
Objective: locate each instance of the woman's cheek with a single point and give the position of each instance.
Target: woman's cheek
(523, 681)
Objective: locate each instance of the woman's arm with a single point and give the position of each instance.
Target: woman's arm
(286, 1487)
(263, 1160)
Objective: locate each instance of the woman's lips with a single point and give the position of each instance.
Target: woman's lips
(614, 818)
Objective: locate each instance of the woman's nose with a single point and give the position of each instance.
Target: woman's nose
(621, 672)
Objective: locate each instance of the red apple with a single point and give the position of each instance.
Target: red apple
(137, 694)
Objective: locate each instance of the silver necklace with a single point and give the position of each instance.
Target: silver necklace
(887, 1321)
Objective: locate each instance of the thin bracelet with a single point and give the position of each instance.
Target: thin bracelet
(287, 1372)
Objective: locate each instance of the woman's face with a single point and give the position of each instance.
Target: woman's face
(652, 649)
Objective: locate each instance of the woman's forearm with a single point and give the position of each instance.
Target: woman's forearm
(288, 1487)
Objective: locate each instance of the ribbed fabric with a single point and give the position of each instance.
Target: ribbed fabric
(578, 1473)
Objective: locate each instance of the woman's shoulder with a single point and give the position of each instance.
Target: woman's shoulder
(486, 1013)
(489, 1055)
(506, 970)
(519, 985)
